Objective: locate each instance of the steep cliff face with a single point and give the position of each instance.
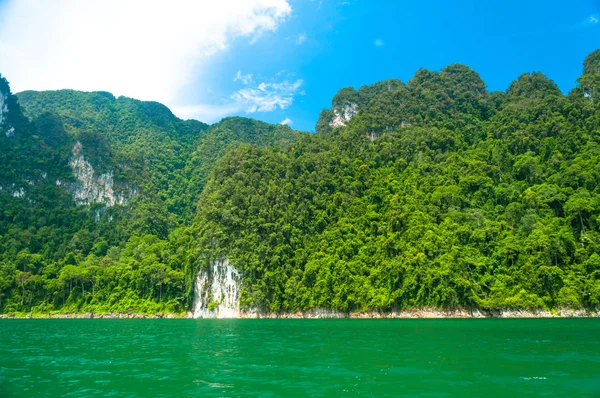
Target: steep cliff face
(3, 106)
(9, 130)
(343, 114)
(89, 187)
(217, 292)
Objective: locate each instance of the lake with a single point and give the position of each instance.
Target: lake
(300, 357)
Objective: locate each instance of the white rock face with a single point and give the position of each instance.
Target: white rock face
(91, 188)
(372, 136)
(220, 286)
(9, 131)
(343, 115)
(3, 107)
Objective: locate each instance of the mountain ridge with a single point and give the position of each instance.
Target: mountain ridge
(433, 194)
(430, 194)
(84, 173)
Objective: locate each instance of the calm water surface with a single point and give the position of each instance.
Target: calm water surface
(273, 358)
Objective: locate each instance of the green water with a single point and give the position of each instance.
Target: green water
(273, 358)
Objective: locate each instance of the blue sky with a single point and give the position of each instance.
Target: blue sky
(500, 40)
(290, 57)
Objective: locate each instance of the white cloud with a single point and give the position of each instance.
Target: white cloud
(206, 113)
(378, 43)
(592, 20)
(287, 121)
(301, 38)
(267, 96)
(146, 49)
(246, 79)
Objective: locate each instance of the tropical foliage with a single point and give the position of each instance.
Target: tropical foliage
(56, 255)
(436, 193)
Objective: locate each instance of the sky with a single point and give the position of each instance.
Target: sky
(282, 61)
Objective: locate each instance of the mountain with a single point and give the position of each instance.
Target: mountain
(348, 101)
(436, 193)
(143, 144)
(85, 174)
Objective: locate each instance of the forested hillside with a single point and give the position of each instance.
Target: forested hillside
(436, 193)
(95, 196)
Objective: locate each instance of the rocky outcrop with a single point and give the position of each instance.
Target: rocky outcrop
(3, 107)
(13, 190)
(9, 131)
(348, 102)
(342, 115)
(217, 295)
(90, 187)
(217, 292)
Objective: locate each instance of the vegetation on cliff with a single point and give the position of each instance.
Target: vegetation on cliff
(435, 193)
(137, 170)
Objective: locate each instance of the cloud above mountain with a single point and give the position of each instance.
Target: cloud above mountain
(143, 49)
(275, 93)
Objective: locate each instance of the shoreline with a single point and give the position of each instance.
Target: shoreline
(424, 313)
(92, 315)
(416, 313)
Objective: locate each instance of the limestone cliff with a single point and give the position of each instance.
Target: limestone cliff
(90, 187)
(217, 292)
(9, 130)
(343, 114)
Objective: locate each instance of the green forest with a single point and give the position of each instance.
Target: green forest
(431, 194)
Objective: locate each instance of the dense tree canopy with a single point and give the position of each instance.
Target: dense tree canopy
(130, 256)
(435, 193)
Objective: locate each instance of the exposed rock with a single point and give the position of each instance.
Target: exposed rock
(342, 115)
(3, 107)
(217, 292)
(9, 131)
(90, 187)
